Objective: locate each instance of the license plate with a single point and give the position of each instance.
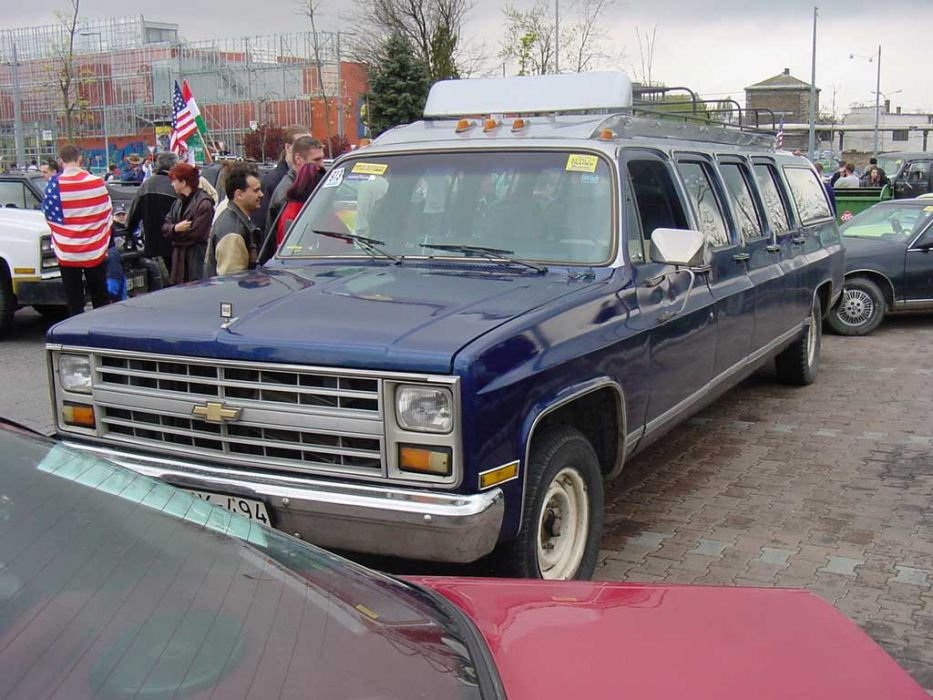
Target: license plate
(247, 507)
(140, 282)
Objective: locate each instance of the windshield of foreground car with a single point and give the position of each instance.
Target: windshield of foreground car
(544, 206)
(114, 585)
(888, 221)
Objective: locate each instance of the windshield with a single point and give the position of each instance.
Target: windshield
(888, 221)
(890, 165)
(547, 206)
(114, 585)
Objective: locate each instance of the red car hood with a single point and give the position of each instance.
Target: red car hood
(594, 640)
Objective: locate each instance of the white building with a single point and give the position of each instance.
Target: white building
(896, 131)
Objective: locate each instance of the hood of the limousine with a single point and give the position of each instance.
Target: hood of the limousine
(356, 316)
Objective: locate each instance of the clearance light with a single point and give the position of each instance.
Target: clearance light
(519, 124)
(365, 142)
(463, 125)
(24, 270)
(424, 460)
(607, 135)
(498, 475)
(78, 414)
(490, 124)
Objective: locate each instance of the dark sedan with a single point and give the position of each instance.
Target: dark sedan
(889, 264)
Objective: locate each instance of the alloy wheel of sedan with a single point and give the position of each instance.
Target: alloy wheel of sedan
(855, 308)
(860, 309)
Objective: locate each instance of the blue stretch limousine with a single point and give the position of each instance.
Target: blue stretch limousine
(471, 325)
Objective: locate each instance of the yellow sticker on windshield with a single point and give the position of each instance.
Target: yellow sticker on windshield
(370, 168)
(579, 163)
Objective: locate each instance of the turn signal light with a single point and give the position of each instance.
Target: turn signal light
(78, 414)
(425, 460)
(496, 476)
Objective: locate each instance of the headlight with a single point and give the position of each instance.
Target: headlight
(75, 373)
(424, 409)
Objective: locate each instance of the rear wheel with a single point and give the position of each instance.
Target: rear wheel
(860, 309)
(562, 519)
(7, 300)
(800, 362)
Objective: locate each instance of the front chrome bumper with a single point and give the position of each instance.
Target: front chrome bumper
(372, 519)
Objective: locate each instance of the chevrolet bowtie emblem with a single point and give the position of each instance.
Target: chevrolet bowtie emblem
(215, 412)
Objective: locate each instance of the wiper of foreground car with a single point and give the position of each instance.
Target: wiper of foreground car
(494, 254)
(369, 245)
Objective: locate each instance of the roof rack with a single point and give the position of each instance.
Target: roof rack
(673, 125)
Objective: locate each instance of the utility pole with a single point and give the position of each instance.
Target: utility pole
(339, 91)
(811, 134)
(17, 113)
(877, 102)
(557, 36)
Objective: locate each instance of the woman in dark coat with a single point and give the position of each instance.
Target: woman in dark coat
(188, 224)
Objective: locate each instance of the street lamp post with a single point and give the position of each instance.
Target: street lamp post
(103, 99)
(877, 101)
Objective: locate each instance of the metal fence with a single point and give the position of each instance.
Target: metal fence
(125, 71)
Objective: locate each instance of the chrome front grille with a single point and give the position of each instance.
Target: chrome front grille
(292, 419)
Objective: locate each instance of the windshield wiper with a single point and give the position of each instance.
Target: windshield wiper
(369, 245)
(494, 254)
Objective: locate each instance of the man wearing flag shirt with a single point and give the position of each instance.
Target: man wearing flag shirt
(78, 210)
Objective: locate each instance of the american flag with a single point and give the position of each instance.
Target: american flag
(779, 139)
(183, 124)
(78, 210)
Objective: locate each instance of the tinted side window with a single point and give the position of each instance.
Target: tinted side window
(742, 200)
(774, 205)
(918, 171)
(698, 183)
(656, 201)
(13, 194)
(809, 195)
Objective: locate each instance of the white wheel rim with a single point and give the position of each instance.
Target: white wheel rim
(811, 339)
(856, 307)
(563, 525)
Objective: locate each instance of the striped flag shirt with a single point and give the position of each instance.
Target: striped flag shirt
(78, 210)
(183, 124)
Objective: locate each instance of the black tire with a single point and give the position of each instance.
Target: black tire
(560, 452)
(7, 300)
(52, 312)
(860, 308)
(799, 364)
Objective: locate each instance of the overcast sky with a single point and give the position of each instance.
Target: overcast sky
(717, 47)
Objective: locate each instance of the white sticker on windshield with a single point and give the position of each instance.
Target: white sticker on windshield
(335, 178)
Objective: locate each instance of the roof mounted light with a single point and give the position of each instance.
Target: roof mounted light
(464, 125)
(490, 124)
(519, 124)
(607, 135)
(602, 92)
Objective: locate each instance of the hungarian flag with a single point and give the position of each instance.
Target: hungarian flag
(193, 108)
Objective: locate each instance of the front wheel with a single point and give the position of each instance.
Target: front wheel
(860, 309)
(800, 362)
(562, 520)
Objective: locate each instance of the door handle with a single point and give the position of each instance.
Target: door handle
(773, 248)
(798, 240)
(741, 257)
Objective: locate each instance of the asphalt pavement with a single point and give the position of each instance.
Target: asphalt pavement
(826, 487)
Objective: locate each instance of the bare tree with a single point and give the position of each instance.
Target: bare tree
(646, 53)
(530, 38)
(432, 29)
(311, 9)
(65, 69)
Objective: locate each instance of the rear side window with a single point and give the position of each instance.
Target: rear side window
(699, 187)
(774, 205)
(735, 177)
(809, 195)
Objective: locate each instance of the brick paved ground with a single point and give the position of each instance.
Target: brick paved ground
(825, 487)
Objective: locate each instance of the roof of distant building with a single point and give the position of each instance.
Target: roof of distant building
(781, 81)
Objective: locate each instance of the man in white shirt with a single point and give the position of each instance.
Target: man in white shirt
(848, 179)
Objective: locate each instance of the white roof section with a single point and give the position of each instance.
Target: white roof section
(534, 94)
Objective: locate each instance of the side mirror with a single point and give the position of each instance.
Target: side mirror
(676, 246)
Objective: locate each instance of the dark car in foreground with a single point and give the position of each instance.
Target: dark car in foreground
(889, 265)
(114, 585)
